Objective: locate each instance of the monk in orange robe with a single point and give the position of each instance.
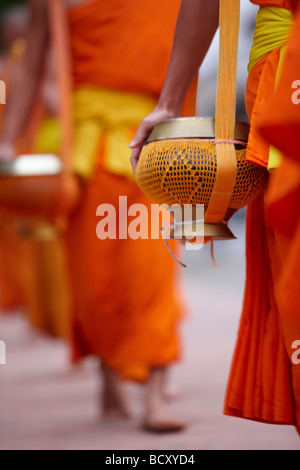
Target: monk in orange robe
(264, 384)
(279, 125)
(31, 269)
(126, 305)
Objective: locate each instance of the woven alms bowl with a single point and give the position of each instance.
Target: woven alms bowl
(178, 164)
(178, 167)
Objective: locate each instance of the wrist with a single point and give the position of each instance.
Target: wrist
(170, 105)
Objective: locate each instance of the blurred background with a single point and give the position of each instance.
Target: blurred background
(9, 32)
(46, 404)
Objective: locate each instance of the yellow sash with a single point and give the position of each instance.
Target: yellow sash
(272, 30)
(110, 116)
(101, 116)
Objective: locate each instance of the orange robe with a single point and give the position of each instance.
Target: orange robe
(126, 306)
(11, 289)
(280, 126)
(264, 384)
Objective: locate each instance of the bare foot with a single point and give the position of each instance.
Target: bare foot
(173, 394)
(114, 404)
(156, 419)
(159, 422)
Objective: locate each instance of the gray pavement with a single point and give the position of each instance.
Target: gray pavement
(47, 405)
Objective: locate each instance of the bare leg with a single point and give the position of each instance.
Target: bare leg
(156, 418)
(114, 405)
(171, 393)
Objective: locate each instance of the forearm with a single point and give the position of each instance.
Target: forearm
(196, 26)
(23, 88)
(27, 75)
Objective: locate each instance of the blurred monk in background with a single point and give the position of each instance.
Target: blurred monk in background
(33, 278)
(264, 383)
(13, 31)
(12, 37)
(126, 306)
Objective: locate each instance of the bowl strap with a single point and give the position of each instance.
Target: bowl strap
(225, 111)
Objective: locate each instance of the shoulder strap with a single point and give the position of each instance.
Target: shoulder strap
(225, 111)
